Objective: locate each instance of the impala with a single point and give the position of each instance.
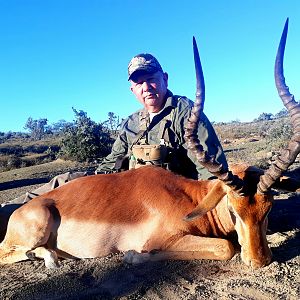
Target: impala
(153, 214)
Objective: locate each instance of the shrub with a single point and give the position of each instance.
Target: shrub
(281, 129)
(11, 150)
(85, 140)
(14, 162)
(264, 117)
(36, 127)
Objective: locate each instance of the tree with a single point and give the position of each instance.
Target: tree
(59, 126)
(113, 122)
(264, 117)
(281, 114)
(85, 140)
(236, 121)
(36, 127)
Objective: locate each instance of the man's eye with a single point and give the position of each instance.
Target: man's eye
(153, 81)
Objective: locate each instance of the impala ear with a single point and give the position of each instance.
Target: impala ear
(287, 184)
(209, 202)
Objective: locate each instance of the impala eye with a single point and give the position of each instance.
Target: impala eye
(230, 208)
(233, 216)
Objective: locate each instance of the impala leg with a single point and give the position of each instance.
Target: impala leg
(48, 255)
(5, 213)
(29, 228)
(188, 247)
(9, 255)
(12, 255)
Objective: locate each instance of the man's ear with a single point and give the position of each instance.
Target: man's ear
(131, 86)
(166, 78)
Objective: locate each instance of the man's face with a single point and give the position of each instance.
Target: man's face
(150, 89)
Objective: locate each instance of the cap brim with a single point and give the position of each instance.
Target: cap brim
(143, 70)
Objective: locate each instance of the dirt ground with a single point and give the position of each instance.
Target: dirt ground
(110, 278)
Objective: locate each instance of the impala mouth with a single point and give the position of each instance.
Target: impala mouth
(256, 263)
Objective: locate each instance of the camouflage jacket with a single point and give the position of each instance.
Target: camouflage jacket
(182, 161)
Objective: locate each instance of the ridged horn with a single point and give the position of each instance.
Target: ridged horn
(288, 155)
(191, 137)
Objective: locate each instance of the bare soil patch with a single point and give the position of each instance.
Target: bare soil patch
(110, 278)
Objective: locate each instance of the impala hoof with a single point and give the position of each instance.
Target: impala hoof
(51, 260)
(134, 258)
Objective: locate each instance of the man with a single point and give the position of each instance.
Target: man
(160, 123)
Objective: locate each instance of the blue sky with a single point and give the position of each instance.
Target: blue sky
(59, 54)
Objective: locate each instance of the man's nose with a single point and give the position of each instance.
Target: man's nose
(146, 85)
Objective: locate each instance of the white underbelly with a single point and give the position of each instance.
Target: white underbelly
(91, 239)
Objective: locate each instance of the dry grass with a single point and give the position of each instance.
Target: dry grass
(254, 143)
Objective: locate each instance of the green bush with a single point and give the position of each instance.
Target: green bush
(36, 127)
(281, 129)
(85, 140)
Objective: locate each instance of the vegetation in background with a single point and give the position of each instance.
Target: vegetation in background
(85, 140)
(36, 127)
(255, 142)
(112, 123)
(80, 140)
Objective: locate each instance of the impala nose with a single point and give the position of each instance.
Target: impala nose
(256, 262)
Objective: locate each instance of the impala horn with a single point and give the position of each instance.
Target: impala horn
(288, 155)
(191, 137)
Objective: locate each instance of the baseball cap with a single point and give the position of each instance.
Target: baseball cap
(143, 62)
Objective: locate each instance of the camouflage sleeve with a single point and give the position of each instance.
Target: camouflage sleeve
(119, 149)
(208, 140)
